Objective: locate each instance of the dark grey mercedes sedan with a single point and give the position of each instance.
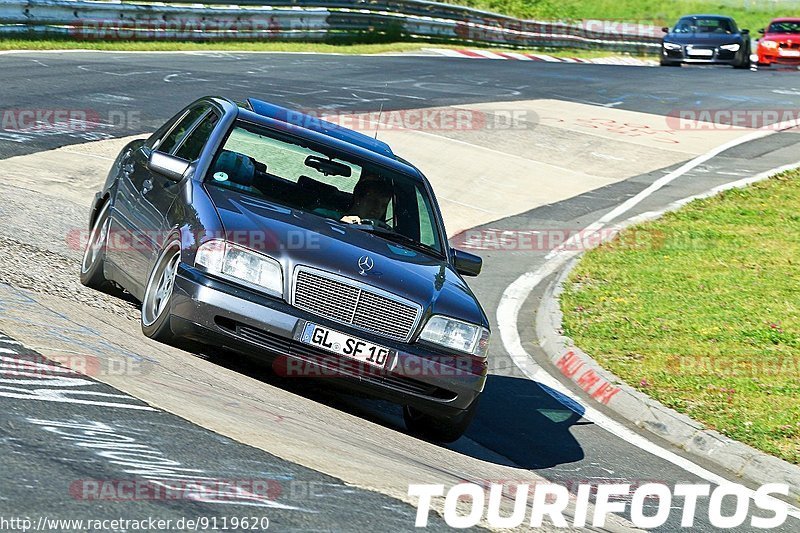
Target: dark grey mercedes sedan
(273, 233)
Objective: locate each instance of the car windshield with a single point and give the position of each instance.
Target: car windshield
(784, 26)
(295, 173)
(703, 25)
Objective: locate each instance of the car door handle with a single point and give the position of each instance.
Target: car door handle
(147, 186)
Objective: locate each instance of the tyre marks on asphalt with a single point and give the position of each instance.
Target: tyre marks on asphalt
(293, 421)
(84, 81)
(103, 454)
(34, 378)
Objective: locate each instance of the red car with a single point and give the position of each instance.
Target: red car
(781, 42)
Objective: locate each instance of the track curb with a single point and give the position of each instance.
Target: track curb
(645, 412)
(471, 53)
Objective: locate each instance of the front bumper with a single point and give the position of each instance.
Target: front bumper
(718, 57)
(769, 56)
(213, 311)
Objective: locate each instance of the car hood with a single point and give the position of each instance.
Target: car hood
(782, 37)
(297, 238)
(703, 39)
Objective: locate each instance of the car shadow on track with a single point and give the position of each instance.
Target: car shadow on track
(518, 423)
(520, 420)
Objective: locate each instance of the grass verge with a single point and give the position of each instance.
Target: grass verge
(700, 310)
(232, 46)
(274, 46)
(750, 15)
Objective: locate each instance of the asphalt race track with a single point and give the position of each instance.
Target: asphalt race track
(522, 432)
(155, 85)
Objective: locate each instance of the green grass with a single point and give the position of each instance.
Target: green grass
(269, 46)
(659, 12)
(701, 310)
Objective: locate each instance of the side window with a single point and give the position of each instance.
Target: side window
(390, 213)
(158, 135)
(427, 230)
(174, 137)
(194, 143)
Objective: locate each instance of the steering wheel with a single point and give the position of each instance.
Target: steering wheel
(377, 223)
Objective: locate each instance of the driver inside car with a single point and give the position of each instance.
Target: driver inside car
(371, 197)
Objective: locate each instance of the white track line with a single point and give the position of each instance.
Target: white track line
(629, 204)
(518, 291)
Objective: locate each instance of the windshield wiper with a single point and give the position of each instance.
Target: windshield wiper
(391, 235)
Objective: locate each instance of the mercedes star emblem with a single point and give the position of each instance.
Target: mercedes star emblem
(365, 264)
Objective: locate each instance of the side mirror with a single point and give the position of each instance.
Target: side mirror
(467, 264)
(761, 31)
(746, 32)
(665, 29)
(169, 166)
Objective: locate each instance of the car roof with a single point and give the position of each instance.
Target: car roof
(785, 19)
(706, 16)
(325, 133)
(320, 126)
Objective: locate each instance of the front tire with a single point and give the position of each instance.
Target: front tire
(158, 292)
(437, 429)
(94, 256)
(745, 62)
(667, 63)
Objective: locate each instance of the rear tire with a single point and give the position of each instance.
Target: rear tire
(157, 301)
(437, 429)
(94, 256)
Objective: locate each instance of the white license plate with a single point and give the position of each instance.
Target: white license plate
(701, 53)
(345, 345)
(790, 53)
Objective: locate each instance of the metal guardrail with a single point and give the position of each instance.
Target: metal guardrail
(311, 20)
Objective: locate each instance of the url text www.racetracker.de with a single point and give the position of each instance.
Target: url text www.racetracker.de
(197, 523)
(649, 504)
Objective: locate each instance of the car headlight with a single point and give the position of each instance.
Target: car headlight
(458, 335)
(769, 44)
(731, 47)
(245, 266)
(672, 46)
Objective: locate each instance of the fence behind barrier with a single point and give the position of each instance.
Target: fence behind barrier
(313, 20)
